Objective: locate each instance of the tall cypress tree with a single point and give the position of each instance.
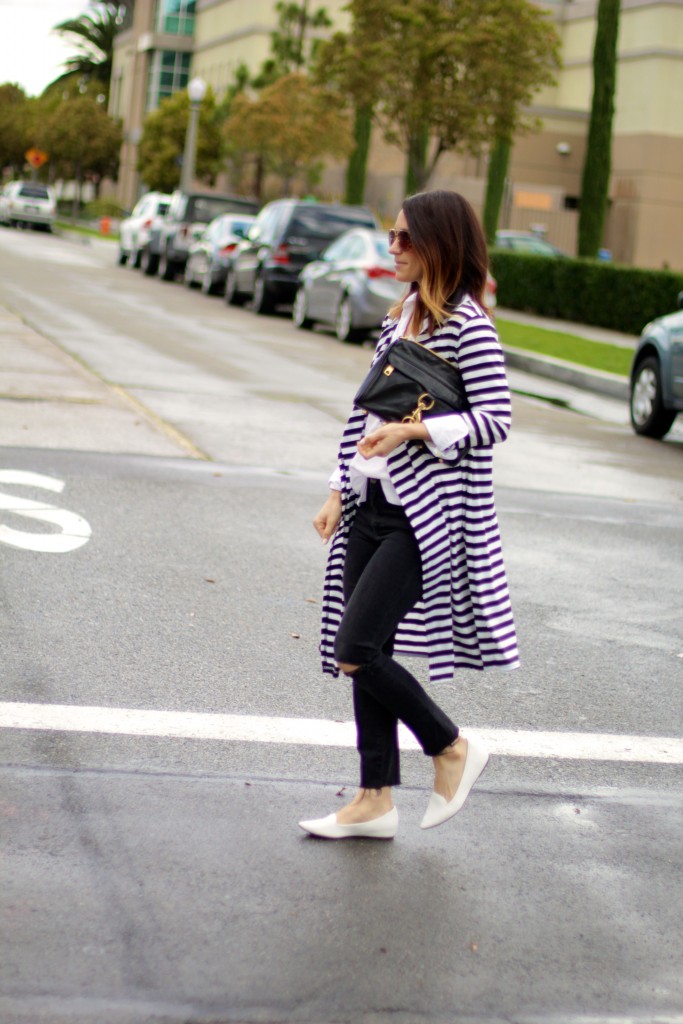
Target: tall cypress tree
(597, 165)
(356, 170)
(499, 160)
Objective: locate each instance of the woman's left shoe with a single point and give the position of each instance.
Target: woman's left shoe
(385, 827)
(439, 809)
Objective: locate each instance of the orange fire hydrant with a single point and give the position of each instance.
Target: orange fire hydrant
(105, 225)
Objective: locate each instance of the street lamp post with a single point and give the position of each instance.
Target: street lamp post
(196, 90)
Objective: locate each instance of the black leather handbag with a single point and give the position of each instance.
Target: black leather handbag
(409, 380)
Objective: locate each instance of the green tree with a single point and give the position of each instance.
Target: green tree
(292, 44)
(357, 166)
(287, 130)
(598, 160)
(442, 75)
(82, 140)
(163, 141)
(499, 159)
(93, 34)
(15, 127)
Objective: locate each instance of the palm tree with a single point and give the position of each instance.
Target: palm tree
(94, 32)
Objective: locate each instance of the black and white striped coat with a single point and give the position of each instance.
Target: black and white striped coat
(465, 618)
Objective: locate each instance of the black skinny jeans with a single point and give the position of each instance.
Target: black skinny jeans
(382, 582)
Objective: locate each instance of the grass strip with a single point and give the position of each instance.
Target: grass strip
(80, 229)
(597, 355)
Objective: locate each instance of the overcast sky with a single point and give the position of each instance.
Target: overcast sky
(30, 53)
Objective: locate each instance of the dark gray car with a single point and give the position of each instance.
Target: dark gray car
(287, 235)
(657, 375)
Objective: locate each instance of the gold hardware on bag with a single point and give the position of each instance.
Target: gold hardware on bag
(388, 370)
(424, 403)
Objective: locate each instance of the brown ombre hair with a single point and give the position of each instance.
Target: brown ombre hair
(448, 241)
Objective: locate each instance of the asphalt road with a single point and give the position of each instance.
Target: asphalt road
(152, 868)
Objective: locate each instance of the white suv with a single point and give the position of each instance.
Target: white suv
(26, 203)
(135, 232)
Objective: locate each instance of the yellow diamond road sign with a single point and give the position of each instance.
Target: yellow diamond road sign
(36, 157)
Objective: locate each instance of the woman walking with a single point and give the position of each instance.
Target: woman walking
(415, 564)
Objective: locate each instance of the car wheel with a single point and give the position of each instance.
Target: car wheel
(232, 296)
(343, 321)
(167, 268)
(207, 285)
(299, 311)
(648, 415)
(134, 259)
(123, 257)
(149, 262)
(188, 276)
(263, 299)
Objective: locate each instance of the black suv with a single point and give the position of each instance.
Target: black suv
(287, 235)
(189, 213)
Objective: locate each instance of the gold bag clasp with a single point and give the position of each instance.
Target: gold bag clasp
(424, 403)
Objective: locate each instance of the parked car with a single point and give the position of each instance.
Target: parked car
(187, 216)
(28, 203)
(527, 242)
(657, 375)
(135, 231)
(287, 235)
(209, 257)
(351, 286)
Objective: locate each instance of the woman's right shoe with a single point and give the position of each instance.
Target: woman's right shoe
(385, 827)
(439, 809)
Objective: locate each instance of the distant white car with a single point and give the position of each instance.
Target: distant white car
(136, 231)
(27, 204)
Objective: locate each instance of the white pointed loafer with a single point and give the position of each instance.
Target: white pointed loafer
(385, 827)
(439, 809)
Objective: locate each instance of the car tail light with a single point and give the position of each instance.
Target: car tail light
(225, 249)
(281, 254)
(375, 272)
(183, 231)
(147, 223)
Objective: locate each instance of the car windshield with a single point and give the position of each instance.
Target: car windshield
(34, 192)
(382, 247)
(203, 209)
(319, 226)
(237, 227)
(163, 207)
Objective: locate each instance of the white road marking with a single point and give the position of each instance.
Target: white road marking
(321, 733)
(74, 531)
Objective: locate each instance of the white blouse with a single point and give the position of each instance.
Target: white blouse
(444, 431)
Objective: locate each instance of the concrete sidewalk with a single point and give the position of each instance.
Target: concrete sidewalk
(50, 400)
(596, 381)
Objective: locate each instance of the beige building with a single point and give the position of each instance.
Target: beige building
(171, 40)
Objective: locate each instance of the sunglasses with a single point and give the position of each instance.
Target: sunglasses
(402, 238)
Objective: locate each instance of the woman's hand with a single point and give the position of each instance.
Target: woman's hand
(327, 519)
(389, 436)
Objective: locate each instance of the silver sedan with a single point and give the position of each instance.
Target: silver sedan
(351, 286)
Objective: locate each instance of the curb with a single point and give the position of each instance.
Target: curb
(599, 382)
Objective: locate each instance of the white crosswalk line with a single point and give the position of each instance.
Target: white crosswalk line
(319, 732)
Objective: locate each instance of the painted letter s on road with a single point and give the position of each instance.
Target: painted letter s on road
(74, 530)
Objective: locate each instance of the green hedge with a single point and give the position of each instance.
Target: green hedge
(585, 291)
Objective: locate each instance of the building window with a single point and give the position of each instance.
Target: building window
(176, 17)
(169, 73)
